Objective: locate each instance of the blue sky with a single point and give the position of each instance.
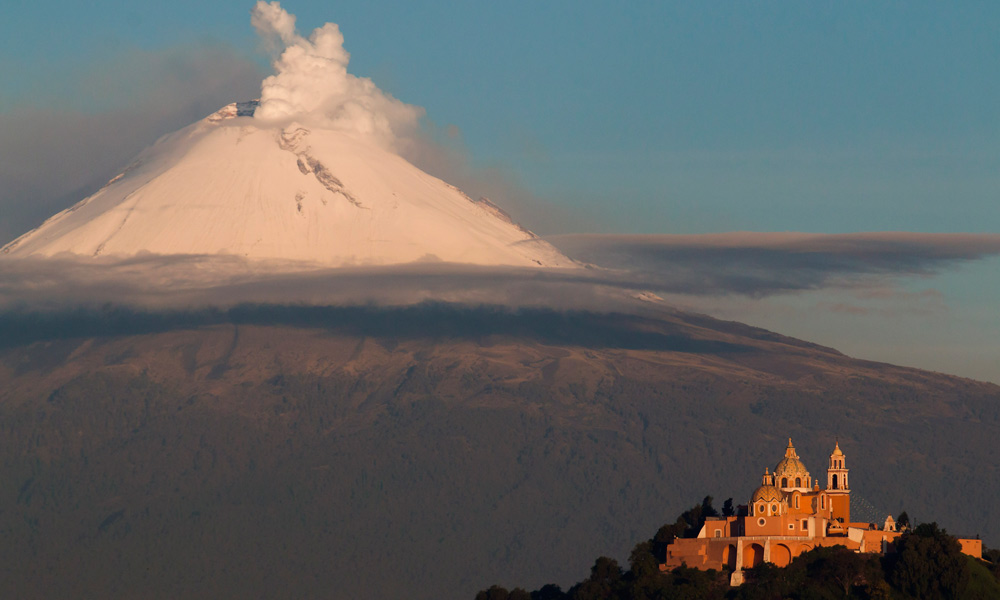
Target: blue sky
(653, 117)
(657, 117)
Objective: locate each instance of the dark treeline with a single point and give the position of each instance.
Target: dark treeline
(928, 564)
(431, 320)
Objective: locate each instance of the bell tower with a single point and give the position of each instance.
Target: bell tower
(838, 487)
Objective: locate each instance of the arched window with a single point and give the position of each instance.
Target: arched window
(834, 481)
(718, 533)
(774, 509)
(784, 482)
(760, 509)
(796, 501)
(798, 482)
(822, 501)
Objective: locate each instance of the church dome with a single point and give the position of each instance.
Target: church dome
(766, 493)
(790, 466)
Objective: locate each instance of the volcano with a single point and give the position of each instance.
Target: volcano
(234, 185)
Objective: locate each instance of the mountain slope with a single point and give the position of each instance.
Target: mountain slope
(431, 451)
(231, 184)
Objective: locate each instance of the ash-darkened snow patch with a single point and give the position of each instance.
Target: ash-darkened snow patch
(329, 181)
(294, 141)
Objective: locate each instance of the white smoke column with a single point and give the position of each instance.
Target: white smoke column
(311, 83)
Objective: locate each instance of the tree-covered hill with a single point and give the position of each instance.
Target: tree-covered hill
(927, 564)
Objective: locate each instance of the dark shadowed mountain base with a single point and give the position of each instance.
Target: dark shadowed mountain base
(429, 452)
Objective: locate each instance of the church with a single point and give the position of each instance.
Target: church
(789, 514)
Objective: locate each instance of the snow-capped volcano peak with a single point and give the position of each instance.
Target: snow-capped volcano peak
(232, 184)
(309, 172)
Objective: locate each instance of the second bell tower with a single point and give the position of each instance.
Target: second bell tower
(838, 487)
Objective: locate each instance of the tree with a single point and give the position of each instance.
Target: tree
(992, 555)
(728, 510)
(688, 583)
(707, 510)
(824, 572)
(549, 591)
(605, 570)
(765, 582)
(496, 592)
(928, 563)
(903, 521)
(642, 562)
(605, 581)
(842, 569)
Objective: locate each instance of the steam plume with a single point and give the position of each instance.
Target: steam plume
(311, 83)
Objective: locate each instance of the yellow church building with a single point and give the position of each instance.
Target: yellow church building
(789, 514)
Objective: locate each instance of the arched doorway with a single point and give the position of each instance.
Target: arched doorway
(753, 555)
(781, 555)
(729, 557)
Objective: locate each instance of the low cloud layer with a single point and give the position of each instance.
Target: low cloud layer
(199, 281)
(764, 264)
(627, 273)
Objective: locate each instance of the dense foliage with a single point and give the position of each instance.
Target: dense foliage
(927, 564)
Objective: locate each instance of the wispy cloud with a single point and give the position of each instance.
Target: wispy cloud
(763, 264)
(197, 281)
(717, 266)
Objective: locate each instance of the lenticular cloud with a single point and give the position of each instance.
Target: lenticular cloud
(311, 83)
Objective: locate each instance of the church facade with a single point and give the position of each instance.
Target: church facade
(787, 515)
